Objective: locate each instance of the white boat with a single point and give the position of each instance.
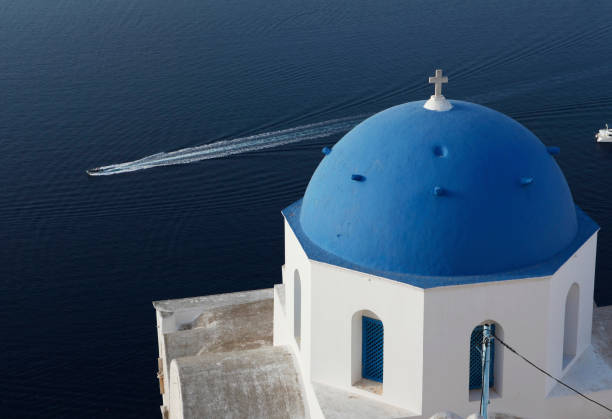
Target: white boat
(604, 135)
(94, 172)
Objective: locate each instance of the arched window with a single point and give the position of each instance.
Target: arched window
(476, 372)
(570, 331)
(297, 307)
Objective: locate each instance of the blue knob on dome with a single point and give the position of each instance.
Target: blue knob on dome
(326, 150)
(526, 181)
(358, 178)
(438, 191)
(553, 151)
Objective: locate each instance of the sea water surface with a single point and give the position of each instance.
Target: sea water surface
(87, 83)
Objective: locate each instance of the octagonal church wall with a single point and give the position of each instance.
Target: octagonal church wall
(427, 332)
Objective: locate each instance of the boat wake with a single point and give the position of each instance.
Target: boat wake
(234, 146)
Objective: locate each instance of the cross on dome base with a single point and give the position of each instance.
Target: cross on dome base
(438, 102)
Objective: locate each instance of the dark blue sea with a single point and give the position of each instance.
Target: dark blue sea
(85, 83)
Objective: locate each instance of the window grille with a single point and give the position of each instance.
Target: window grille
(372, 349)
(476, 358)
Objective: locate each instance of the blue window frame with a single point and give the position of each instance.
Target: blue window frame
(372, 349)
(476, 359)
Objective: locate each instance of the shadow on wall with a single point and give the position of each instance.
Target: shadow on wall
(570, 329)
(297, 308)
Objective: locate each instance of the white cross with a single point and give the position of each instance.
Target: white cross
(437, 81)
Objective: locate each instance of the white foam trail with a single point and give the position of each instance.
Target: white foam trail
(234, 146)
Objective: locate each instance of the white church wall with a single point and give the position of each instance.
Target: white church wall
(578, 269)
(340, 294)
(519, 307)
(296, 260)
(284, 334)
(422, 371)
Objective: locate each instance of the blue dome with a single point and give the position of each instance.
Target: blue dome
(469, 191)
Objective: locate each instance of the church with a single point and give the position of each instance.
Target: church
(426, 226)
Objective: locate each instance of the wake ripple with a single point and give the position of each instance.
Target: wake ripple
(225, 148)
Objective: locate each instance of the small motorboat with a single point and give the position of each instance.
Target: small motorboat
(94, 172)
(604, 135)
